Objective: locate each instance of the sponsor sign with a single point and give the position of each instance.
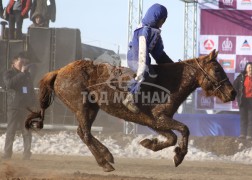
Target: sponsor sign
(225, 25)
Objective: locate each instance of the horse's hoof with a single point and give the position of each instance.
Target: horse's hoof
(109, 157)
(146, 143)
(177, 160)
(179, 157)
(108, 168)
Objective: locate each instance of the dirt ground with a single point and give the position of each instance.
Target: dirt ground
(42, 167)
(45, 167)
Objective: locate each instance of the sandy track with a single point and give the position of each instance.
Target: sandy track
(79, 167)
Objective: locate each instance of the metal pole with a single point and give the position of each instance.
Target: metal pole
(190, 42)
(129, 127)
(140, 11)
(130, 20)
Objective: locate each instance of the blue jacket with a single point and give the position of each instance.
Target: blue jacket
(151, 33)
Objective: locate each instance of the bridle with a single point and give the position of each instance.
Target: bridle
(215, 84)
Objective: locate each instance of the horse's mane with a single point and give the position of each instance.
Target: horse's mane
(170, 68)
(170, 74)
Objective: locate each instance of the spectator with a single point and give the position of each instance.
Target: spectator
(243, 86)
(45, 10)
(38, 21)
(17, 11)
(20, 93)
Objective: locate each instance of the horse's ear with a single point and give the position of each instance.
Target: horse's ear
(213, 55)
(216, 54)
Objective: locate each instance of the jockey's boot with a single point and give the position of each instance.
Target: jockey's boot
(129, 103)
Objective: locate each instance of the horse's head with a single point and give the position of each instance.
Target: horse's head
(213, 79)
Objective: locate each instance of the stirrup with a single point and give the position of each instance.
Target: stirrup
(129, 104)
(132, 107)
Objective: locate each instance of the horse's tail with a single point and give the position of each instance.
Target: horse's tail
(46, 95)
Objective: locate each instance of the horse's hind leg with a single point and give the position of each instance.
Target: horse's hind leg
(100, 152)
(156, 145)
(102, 160)
(100, 147)
(104, 150)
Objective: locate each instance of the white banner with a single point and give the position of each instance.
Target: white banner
(208, 43)
(244, 45)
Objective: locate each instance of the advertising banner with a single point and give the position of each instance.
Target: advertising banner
(225, 25)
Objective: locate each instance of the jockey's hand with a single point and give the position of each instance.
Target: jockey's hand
(139, 78)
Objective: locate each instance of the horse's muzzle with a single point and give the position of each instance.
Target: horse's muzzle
(233, 95)
(229, 96)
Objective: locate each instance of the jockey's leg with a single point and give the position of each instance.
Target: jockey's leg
(134, 88)
(156, 145)
(128, 102)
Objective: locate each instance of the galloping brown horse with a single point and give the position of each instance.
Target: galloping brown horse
(85, 88)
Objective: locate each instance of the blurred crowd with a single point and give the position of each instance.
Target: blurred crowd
(40, 12)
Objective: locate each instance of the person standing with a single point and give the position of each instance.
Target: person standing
(20, 95)
(243, 86)
(17, 11)
(42, 12)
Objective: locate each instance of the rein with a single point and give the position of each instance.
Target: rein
(213, 81)
(216, 85)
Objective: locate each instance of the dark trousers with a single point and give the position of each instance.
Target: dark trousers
(246, 117)
(15, 19)
(16, 121)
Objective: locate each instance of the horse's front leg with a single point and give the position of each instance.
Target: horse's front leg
(164, 123)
